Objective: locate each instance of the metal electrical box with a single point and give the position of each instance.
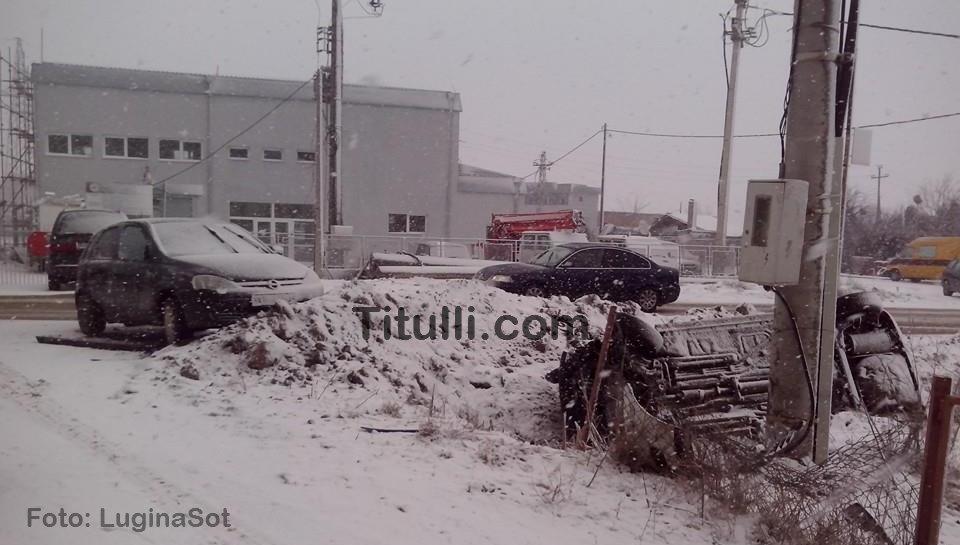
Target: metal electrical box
(773, 227)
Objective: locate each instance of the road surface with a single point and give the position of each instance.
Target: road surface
(913, 321)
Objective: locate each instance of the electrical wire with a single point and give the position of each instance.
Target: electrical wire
(798, 439)
(575, 148)
(238, 135)
(769, 134)
(891, 28)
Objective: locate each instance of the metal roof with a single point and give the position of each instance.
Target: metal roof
(201, 84)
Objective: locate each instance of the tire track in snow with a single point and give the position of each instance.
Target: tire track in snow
(16, 387)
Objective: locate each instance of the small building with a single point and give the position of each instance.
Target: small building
(482, 192)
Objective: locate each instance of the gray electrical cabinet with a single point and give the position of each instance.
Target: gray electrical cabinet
(773, 227)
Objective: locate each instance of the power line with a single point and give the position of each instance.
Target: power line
(238, 135)
(768, 134)
(575, 148)
(886, 27)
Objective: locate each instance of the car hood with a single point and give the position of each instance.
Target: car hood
(247, 266)
(509, 269)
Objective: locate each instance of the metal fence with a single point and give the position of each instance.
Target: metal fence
(352, 252)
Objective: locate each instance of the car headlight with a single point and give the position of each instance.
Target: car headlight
(311, 277)
(500, 278)
(210, 282)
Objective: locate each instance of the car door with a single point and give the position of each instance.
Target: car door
(135, 276)
(579, 274)
(96, 276)
(626, 274)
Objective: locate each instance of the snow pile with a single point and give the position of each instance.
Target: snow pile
(318, 348)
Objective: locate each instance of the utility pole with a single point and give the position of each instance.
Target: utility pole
(603, 177)
(737, 37)
(321, 88)
(542, 166)
(801, 359)
(879, 178)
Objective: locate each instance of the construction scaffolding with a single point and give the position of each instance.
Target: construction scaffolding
(18, 181)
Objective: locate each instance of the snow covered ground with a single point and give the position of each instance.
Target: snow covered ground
(281, 448)
(926, 295)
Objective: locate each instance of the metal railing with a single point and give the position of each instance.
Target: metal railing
(353, 251)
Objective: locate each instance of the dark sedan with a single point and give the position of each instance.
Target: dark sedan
(183, 274)
(578, 269)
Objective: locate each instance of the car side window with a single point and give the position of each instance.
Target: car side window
(585, 259)
(619, 259)
(132, 245)
(105, 247)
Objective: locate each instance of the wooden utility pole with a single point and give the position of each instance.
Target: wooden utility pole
(879, 178)
(801, 359)
(603, 177)
(723, 185)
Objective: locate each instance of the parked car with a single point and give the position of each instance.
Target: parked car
(183, 274)
(951, 278)
(576, 269)
(443, 249)
(71, 233)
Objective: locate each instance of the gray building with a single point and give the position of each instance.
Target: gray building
(111, 130)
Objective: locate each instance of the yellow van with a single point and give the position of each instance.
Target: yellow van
(923, 259)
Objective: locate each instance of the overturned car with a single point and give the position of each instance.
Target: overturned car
(713, 375)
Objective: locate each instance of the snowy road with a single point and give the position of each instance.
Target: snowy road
(84, 430)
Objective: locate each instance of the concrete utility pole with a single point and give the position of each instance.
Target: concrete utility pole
(328, 87)
(798, 423)
(603, 176)
(879, 178)
(737, 38)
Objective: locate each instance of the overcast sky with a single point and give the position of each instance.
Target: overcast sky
(545, 74)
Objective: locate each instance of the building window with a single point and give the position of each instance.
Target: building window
(306, 156)
(238, 153)
(406, 223)
(70, 144)
(136, 148)
(250, 209)
(296, 211)
(272, 155)
(180, 150)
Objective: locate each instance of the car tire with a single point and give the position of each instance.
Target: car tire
(90, 316)
(947, 291)
(647, 299)
(53, 284)
(895, 275)
(175, 330)
(534, 292)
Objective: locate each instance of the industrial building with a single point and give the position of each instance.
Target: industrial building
(140, 138)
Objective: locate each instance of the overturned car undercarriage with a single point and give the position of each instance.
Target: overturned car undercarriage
(713, 376)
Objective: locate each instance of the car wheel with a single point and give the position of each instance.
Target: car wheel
(175, 330)
(90, 316)
(947, 291)
(534, 292)
(895, 275)
(647, 299)
(53, 285)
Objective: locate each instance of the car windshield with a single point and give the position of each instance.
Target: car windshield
(87, 222)
(196, 238)
(552, 256)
